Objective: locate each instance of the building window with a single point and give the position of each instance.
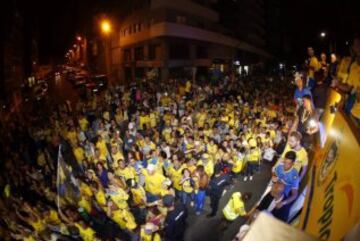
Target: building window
(127, 55)
(179, 51)
(154, 50)
(139, 53)
(180, 19)
(201, 52)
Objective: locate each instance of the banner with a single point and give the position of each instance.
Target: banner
(67, 185)
(332, 207)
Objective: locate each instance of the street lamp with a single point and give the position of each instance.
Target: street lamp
(105, 26)
(323, 34)
(78, 38)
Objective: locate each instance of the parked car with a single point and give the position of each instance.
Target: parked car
(97, 83)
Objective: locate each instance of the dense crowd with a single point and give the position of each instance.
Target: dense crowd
(132, 163)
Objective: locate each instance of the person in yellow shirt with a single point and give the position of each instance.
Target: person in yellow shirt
(86, 232)
(118, 196)
(148, 232)
(101, 145)
(153, 182)
(99, 195)
(354, 80)
(122, 216)
(252, 158)
(207, 163)
(175, 174)
(126, 172)
(301, 161)
(79, 154)
(312, 65)
(138, 194)
(83, 123)
(71, 136)
(234, 208)
(188, 184)
(116, 156)
(238, 162)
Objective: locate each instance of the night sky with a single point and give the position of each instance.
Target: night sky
(56, 23)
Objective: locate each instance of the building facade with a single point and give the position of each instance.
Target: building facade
(172, 38)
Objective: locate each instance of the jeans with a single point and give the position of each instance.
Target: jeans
(185, 196)
(151, 198)
(250, 168)
(200, 200)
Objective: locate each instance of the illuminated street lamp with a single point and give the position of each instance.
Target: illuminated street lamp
(323, 34)
(105, 26)
(78, 38)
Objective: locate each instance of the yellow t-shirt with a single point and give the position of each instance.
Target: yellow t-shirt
(79, 154)
(342, 72)
(153, 183)
(209, 167)
(175, 177)
(84, 124)
(39, 225)
(124, 219)
(238, 164)
(253, 155)
(85, 204)
(301, 157)
(355, 111)
(149, 237)
(139, 195)
(72, 136)
(102, 147)
(186, 186)
(314, 63)
(354, 75)
(127, 172)
(120, 198)
(100, 197)
(153, 119)
(87, 234)
(53, 218)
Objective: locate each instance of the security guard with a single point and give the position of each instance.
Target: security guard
(234, 208)
(216, 189)
(175, 222)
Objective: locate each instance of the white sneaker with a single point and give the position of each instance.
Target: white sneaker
(245, 179)
(251, 177)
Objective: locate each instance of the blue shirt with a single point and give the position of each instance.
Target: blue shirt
(300, 93)
(290, 178)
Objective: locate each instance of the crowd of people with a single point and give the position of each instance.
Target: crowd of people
(132, 163)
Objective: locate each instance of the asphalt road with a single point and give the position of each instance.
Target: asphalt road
(201, 228)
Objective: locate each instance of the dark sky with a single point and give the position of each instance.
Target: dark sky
(305, 20)
(56, 23)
